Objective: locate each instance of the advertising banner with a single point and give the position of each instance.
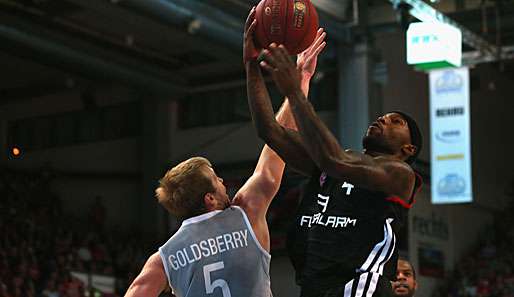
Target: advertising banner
(433, 45)
(450, 136)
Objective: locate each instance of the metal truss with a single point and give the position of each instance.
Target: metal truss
(486, 52)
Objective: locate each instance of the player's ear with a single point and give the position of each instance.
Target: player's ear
(209, 201)
(409, 149)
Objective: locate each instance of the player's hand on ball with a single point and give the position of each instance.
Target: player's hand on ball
(249, 51)
(283, 70)
(308, 59)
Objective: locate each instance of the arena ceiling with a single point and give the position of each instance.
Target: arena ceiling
(173, 45)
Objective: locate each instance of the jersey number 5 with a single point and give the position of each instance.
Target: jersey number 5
(210, 286)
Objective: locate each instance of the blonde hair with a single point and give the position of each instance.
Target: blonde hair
(182, 189)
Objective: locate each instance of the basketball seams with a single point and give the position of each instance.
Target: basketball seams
(307, 24)
(278, 17)
(312, 28)
(262, 37)
(290, 21)
(287, 12)
(268, 23)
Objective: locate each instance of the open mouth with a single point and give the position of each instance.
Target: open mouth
(401, 287)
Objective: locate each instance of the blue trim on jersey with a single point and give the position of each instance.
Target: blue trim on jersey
(265, 252)
(164, 261)
(200, 218)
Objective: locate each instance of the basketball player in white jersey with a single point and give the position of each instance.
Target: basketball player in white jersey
(220, 250)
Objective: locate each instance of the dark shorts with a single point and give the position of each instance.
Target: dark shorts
(367, 284)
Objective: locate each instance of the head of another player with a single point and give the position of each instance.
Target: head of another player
(394, 133)
(192, 188)
(405, 284)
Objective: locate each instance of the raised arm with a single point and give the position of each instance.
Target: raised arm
(256, 194)
(282, 140)
(151, 281)
(285, 141)
(321, 144)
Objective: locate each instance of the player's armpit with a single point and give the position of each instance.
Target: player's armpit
(258, 191)
(255, 206)
(151, 281)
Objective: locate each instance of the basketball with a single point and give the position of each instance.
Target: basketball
(292, 23)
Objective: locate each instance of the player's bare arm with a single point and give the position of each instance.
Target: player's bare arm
(256, 194)
(390, 176)
(151, 281)
(285, 142)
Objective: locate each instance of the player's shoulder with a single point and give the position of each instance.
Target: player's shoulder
(237, 209)
(400, 176)
(394, 166)
(241, 201)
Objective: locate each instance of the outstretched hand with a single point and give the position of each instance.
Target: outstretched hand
(283, 70)
(249, 51)
(308, 59)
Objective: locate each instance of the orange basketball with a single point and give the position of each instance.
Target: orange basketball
(292, 23)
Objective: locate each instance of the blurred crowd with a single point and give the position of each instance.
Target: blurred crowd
(40, 245)
(489, 269)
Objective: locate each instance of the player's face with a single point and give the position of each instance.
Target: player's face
(220, 194)
(405, 284)
(387, 134)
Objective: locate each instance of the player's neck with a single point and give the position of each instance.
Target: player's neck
(375, 154)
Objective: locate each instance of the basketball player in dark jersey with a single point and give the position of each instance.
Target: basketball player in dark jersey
(347, 225)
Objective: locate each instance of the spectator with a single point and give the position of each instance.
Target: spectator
(39, 250)
(50, 289)
(405, 284)
(488, 270)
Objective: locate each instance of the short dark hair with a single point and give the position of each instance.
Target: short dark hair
(415, 135)
(410, 264)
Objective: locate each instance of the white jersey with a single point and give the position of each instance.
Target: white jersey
(216, 254)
